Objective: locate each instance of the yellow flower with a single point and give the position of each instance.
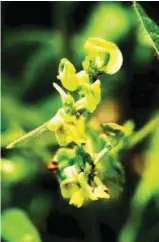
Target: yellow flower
(105, 55)
(87, 190)
(101, 192)
(77, 199)
(67, 128)
(68, 188)
(56, 122)
(93, 96)
(96, 91)
(83, 77)
(80, 125)
(67, 75)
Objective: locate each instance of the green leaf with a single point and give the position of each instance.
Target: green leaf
(151, 29)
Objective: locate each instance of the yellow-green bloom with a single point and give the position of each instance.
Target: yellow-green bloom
(101, 192)
(77, 199)
(83, 78)
(67, 128)
(56, 122)
(87, 190)
(103, 55)
(68, 188)
(92, 95)
(96, 91)
(67, 75)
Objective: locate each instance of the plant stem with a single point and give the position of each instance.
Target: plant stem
(101, 154)
(146, 130)
(31, 134)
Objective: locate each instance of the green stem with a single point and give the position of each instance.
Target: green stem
(28, 136)
(101, 154)
(146, 130)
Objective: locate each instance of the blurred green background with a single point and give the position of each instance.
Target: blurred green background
(35, 36)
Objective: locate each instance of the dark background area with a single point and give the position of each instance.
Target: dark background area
(139, 99)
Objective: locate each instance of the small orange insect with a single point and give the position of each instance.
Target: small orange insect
(52, 166)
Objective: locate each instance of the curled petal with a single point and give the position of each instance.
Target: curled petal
(105, 54)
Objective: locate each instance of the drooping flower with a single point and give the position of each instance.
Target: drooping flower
(102, 56)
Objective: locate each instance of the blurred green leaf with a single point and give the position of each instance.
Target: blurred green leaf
(51, 49)
(151, 28)
(147, 189)
(36, 64)
(14, 124)
(16, 226)
(30, 36)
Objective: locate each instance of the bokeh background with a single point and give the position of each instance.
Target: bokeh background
(35, 36)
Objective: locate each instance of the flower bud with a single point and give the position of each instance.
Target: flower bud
(114, 131)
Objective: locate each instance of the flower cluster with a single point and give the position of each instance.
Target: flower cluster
(83, 145)
(78, 173)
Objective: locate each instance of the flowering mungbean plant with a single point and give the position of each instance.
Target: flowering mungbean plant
(80, 159)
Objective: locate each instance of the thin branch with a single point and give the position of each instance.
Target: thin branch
(146, 130)
(32, 134)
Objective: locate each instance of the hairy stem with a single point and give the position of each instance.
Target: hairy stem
(31, 134)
